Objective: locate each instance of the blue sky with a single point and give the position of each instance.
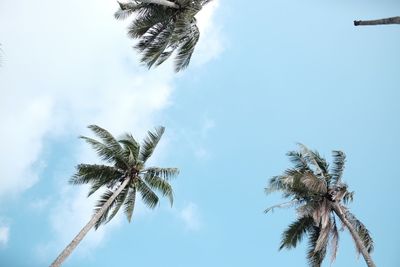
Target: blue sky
(264, 77)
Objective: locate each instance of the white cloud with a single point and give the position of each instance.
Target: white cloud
(64, 69)
(211, 42)
(191, 217)
(4, 235)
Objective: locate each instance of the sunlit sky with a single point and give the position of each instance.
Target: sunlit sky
(264, 76)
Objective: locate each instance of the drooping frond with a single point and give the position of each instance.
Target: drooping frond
(148, 196)
(334, 235)
(161, 185)
(103, 199)
(130, 203)
(163, 30)
(186, 47)
(93, 173)
(288, 204)
(295, 232)
(118, 202)
(362, 231)
(150, 143)
(315, 258)
(339, 160)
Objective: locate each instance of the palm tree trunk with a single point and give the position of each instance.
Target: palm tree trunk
(392, 20)
(78, 238)
(339, 212)
(161, 2)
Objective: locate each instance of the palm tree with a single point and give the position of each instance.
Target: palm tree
(319, 195)
(124, 179)
(162, 27)
(392, 20)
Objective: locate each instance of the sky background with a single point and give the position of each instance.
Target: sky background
(265, 75)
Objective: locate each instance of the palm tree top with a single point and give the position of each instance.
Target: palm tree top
(162, 28)
(318, 192)
(126, 160)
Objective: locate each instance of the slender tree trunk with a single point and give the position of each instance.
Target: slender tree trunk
(393, 20)
(78, 238)
(161, 2)
(367, 257)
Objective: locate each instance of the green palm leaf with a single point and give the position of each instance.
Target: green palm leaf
(295, 232)
(148, 196)
(150, 143)
(130, 203)
(92, 173)
(162, 30)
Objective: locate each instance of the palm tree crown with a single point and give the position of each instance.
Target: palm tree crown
(163, 29)
(127, 160)
(319, 195)
(124, 178)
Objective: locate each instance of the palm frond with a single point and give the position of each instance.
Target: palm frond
(108, 139)
(339, 161)
(107, 153)
(348, 197)
(131, 148)
(185, 50)
(314, 183)
(164, 173)
(103, 199)
(334, 239)
(315, 258)
(130, 203)
(119, 201)
(161, 185)
(299, 162)
(127, 9)
(91, 173)
(313, 158)
(295, 232)
(150, 143)
(362, 231)
(148, 196)
(288, 204)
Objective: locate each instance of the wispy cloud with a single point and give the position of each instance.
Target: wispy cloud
(190, 215)
(4, 235)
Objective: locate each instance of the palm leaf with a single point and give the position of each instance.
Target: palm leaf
(295, 232)
(119, 201)
(315, 258)
(339, 160)
(107, 153)
(334, 239)
(91, 173)
(164, 173)
(161, 185)
(130, 203)
(148, 196)
(362, 231)
(131, 151)
(150, 143)
(103, 199)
